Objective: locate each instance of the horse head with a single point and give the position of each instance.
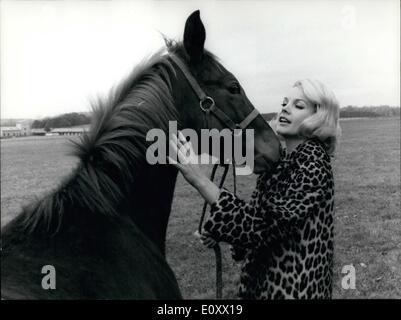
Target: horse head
(229, 99)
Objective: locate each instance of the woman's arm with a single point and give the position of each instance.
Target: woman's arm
(236, 222)
(187, 164)
(207, 189)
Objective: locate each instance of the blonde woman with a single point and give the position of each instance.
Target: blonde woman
(284, 235)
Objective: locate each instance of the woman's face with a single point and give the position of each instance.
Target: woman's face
(295, 110)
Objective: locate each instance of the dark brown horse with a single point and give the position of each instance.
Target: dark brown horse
(104, 228)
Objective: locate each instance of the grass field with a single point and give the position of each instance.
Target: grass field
(368, 219)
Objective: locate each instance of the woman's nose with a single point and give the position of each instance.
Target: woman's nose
(286, 109)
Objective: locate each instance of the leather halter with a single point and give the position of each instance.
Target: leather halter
(207, 103)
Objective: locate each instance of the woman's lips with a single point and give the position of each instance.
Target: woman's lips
(283, 120)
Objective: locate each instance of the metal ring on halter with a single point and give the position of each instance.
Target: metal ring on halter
(210, 99)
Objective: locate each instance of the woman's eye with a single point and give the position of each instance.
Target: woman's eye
(235, 88)
(299, 106)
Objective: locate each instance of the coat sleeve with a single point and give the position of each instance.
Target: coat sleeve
(238, 252)
(244, 224)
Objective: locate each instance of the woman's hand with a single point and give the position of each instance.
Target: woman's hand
(188, 164)
(188, 161)
(206, 239)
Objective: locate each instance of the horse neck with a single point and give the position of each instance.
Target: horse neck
(153, 196)
(151, 202)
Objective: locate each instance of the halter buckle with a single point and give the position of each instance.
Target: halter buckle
(203, 103)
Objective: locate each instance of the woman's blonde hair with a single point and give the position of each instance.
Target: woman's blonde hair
(324, 123)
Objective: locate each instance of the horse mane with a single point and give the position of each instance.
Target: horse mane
(114, 149)
(113, 152)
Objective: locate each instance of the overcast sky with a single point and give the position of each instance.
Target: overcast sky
(57, 55)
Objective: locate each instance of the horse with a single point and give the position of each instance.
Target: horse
(102, 230)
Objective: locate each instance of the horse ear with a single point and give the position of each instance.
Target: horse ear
(194, 37)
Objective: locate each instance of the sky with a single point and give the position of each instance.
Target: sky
(56, 56)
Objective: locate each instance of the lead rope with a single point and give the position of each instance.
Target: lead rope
(216, 248)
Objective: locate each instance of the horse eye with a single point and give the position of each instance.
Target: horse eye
(235, 88)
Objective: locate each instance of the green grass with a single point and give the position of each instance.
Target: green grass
(368, 220)
(30, 167)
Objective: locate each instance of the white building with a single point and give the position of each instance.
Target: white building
(70, 131)
(21, 129)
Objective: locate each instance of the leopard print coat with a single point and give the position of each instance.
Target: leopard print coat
(284, 235)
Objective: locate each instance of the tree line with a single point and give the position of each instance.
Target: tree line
(358, 112)
(369, 111)
(65, 120)
(76, 119)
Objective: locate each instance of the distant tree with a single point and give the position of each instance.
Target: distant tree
(38, 124)
(35, 124)
(369, 111)
(357, 114)
(60, 122)
(47, 127)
